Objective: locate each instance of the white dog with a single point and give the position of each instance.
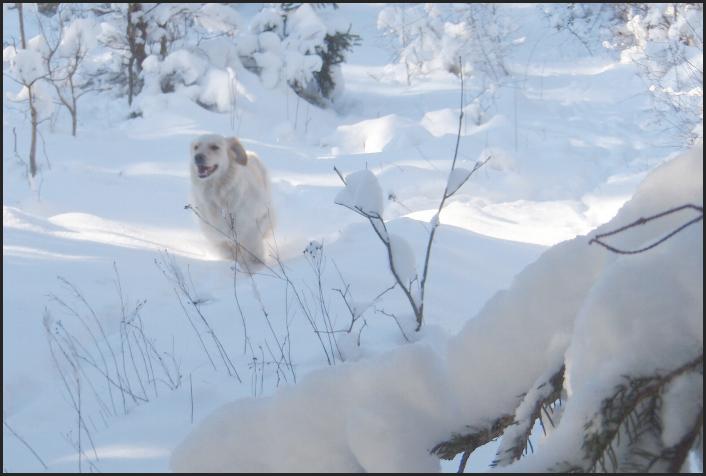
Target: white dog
(231, 195)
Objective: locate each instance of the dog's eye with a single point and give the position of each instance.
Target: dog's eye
(196, 147)
(214, 148)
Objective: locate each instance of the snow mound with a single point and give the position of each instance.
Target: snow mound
(375, 135)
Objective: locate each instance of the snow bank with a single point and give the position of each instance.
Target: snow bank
(343, 419)
(607, 314)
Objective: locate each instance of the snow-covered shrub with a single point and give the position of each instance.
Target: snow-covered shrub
(217, 90)
(27, 68)
(69, 39)
(665, 40)
(180, 68)
(130, 32)
(416, 32)
(432, 37)
(329, 78)
(292, 45)
(589, 23)
(296, 46)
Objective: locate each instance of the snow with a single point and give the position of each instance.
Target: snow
(352, 416)
(265, 20)
(80, 34)
(306, 29)
(680, 408)
(592, 315)
(217, 18)
(27, 64)
(514, 289)
(362, 191)
(180, 67)
(403, 259)
(457, 177)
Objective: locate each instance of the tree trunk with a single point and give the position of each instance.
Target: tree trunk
(32, 109)
(73, 121)
(74, 106)
(33, 144)
(23, 40)
(130, 85)
(136, 38)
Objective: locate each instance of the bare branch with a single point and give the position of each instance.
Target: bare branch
(27, 445)
(642, 221)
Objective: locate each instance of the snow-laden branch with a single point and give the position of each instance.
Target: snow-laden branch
(517, 436)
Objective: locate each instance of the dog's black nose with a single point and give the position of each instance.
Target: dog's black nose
(200, 159)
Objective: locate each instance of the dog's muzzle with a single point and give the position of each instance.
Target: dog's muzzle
(203, 169)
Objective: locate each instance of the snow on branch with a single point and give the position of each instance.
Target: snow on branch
(467, 443)
(362, 193)
(515, 429)
(517, 437)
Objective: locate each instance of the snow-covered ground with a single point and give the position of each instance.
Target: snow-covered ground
(105, 228)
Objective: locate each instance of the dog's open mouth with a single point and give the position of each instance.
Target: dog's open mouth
(204, 171)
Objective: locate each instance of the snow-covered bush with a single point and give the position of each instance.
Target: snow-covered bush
(130, 32)
(292, 45)
(300, 47)
(665, 40)
(26, 67)
(431, 37)
(69, 38)
(121, 48)
(589, 23)
(180, 68)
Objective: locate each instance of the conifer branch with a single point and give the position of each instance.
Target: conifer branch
(633, 413)
(516, 438)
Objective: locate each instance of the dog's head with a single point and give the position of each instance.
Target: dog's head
(214, 153)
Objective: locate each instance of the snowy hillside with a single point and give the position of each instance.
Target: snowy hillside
(124, 331)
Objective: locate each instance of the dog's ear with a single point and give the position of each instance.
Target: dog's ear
(236, 151)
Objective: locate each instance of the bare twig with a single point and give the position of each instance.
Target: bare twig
(27, 445)
(172, 272)
(380, 228)
(191, 395)
(642, 221)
